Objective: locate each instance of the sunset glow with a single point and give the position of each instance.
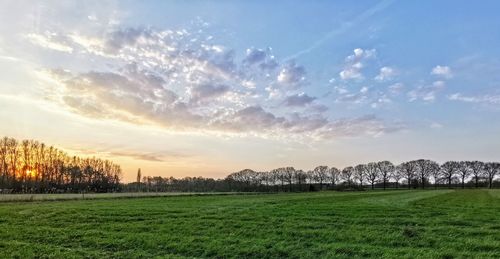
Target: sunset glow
(31, 173)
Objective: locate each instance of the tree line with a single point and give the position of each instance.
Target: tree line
(420, 173)
(171, 184)
(29, 166)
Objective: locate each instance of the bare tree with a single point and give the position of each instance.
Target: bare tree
(347, 174)
(463, 171)
(436, 175)
(425, 168)
(321, 175)
(449, 170)
(408, 169)
(372, 173)
(333, 175)
(300, 177)
(385, 169)
(490, 170)
(360, 173)
(477, 170)
(397, 175)
(289, 173)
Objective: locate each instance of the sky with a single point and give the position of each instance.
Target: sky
(206, 88)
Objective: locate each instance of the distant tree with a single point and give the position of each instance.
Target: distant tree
(289, 173)
(477, 170)
(310, 178)
(321, 174)
(333, 175)
(347, 174)
(372, 173)
(360, 173)
(301, 178)
(490, 170)
(385, 169)
(436, 175)
(463, 171)
(425, 168)
(280, 177)
(408, 170)
(397, 175)
(449, 170)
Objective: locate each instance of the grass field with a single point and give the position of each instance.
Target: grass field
(425, 224)
(86, 196)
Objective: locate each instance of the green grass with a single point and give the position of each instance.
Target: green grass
(413, 224)
(87, 196)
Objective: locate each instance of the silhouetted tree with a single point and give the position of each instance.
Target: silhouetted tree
(490, 170)
(321, 174)
(449, 170)
(29, 166)
(425, 168)
(385, 169)
(347, 174)
(408, 169)
(463, 171)
(333, 175)
(372, 173)
(477, 170)
(360, 173)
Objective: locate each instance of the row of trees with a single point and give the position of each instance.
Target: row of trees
(420, 173)
(412, 174)
(29, 166)
(171, 184)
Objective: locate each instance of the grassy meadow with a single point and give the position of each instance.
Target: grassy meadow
(90, 196)
(413, 224)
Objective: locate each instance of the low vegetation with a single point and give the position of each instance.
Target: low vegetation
(425, 224)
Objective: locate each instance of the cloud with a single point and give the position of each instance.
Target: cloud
(396, 88)
(50, 40)
(488, 99)
(354, 64)
(436, 125)
(380, 101)
(442, 71)
(426, 93)
(263, 58)
(206, 92)
(298, 100)
(182, 80)
(352, 98)
(364, 125)
(159, 156)
(292, 75)
(140, 156)
(386, 73)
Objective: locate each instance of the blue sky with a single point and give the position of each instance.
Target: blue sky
(208, 87)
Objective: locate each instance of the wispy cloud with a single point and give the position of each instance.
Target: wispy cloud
(426, 93)
(158, 156)
(50, 40)
(487, 99)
